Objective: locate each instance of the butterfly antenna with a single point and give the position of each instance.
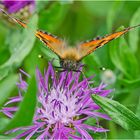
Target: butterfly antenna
(129, 28)
(14, 19)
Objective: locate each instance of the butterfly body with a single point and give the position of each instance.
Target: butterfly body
(70, 57)
(69, 64)
(71, 53)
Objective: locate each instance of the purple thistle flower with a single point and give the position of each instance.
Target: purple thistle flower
(64, 105)
(18, 8)
(14, 6)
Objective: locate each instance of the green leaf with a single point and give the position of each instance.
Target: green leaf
(137, 133)
(20, 45)
(128, 59)
(135, 83)
(9, 82)
(134, 35)
(25, 113)
(54, 15)
(92, 63)
(123, 58)
(50, 56)
(97, 7)
(41, 5)
(114, 55)
(5, 138)
(113, 13)
(119, 113)
(3, 122)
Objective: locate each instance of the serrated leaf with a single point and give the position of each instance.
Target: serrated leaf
(134, 35)
(10, 81)
(20, 50)
(119, 113)
(25, 113)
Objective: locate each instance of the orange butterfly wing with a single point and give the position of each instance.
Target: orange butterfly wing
(57, 45)
(52, 42)
(89, 47)
(49, 40)
(14, 19)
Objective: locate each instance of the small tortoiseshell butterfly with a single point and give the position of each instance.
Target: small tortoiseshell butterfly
(70, 57)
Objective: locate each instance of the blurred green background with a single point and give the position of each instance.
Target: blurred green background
(77, 21)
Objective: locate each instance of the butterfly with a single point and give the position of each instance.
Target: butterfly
(70, 58)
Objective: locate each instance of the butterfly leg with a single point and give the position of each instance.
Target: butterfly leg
(57, 67)
(61, 70)
(77, 70)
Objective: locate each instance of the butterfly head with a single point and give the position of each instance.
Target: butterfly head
(69, 59)
(70, 65)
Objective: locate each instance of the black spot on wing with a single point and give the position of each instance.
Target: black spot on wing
(96, 38)
(47, 33)
(101, 43)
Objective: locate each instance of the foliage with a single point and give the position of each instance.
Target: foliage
(79, 21)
